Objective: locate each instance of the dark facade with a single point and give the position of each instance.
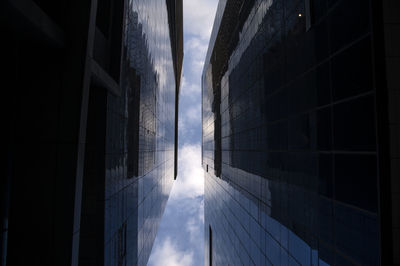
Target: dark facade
(301, 135)
(89, 111)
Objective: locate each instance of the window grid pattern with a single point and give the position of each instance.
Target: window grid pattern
(134, 204)
(297, 138)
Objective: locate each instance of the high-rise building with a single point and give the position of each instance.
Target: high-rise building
(90, 108)
(301, 133)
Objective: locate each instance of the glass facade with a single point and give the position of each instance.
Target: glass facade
(290, 149)
(140, 174)
(92, 135)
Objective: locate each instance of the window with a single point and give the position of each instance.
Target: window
(121, 244)
(309, 14)
(210, 244)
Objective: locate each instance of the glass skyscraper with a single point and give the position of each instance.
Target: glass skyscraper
(92, 128)
(300, 143)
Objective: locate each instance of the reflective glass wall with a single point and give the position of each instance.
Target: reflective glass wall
(140, 136)
(93, 93)
(289, 134)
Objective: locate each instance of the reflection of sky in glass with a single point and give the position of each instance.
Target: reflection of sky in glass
(240, 218)
(148, 60)
(272, 201)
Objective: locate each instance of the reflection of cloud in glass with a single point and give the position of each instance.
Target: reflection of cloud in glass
(148, 54)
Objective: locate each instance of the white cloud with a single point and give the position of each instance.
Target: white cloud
(195, 53)
(195, 224)
(198, 20)
(193, 113)
(196, 45)
(168, 254)
(193, 227)
(182, 127)
(199, 17)
(190, 89)
(182, 241)
(190, 183)
(201, 212)
(197, 66)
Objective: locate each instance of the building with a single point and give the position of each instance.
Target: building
(301, 133)
(90, 108)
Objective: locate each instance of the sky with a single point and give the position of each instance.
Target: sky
(180, 237)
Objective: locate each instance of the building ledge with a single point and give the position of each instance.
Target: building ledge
(104, 79)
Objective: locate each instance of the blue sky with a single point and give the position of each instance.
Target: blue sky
(180, 238)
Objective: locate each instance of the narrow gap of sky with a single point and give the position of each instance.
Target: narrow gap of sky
(180, 237)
